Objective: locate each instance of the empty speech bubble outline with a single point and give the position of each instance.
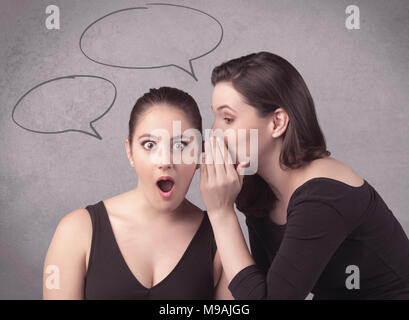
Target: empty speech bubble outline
(189, 71)
(95, 133)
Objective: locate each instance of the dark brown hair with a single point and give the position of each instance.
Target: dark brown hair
(267, 82)
(172, 97)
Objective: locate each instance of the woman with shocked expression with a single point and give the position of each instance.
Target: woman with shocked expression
(149, 242)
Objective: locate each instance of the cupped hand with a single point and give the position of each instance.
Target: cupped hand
(220, 181)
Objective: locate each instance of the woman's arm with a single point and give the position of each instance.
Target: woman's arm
(220, 185)
(65, 264)
(314, 232)
(230, 242)
(221, 290)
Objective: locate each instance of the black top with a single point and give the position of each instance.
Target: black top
(330, 226)
(109, 277)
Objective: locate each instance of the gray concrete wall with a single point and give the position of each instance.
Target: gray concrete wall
(359, 80)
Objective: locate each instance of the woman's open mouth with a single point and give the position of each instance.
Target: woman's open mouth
(166, 186)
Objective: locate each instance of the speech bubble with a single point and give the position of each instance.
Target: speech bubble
(157, 35)
(65, 104)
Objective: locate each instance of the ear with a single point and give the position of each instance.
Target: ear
(278, 122)
(128, 150)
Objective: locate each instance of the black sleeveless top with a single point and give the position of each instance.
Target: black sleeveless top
(109, 277)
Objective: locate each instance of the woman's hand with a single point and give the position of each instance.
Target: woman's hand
(220, 181)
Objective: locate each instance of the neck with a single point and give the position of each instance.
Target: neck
(282, 181)
(150, 213)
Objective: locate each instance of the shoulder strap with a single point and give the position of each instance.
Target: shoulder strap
(102, 246)
(213, 245)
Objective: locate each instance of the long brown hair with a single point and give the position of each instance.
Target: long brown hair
(267, 82)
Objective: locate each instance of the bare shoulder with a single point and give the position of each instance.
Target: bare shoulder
(71, 239)
(76, 219)
(66, 256)
(76, 227)
(332, 168)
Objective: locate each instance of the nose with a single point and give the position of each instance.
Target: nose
(162, 157)
(165, 166)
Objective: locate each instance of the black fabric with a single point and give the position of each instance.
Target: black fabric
(330, 225)
(109, 277)
(265, 238)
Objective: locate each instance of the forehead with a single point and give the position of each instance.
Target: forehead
(224, 93)
(162, 117)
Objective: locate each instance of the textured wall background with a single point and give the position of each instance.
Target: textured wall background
(359, 80)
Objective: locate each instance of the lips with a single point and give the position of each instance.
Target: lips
(165, 186)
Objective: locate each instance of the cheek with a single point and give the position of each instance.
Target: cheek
(238, 140)
(143, 164)
(264, 139)
(248, 142)
(237, 137)
(143, 172)
(220, 124)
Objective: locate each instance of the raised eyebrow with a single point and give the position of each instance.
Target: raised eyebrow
(181, 137)
(151, 136)
(148, 135)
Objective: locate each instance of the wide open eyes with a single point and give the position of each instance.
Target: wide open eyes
(148, 145)
(177, 145)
